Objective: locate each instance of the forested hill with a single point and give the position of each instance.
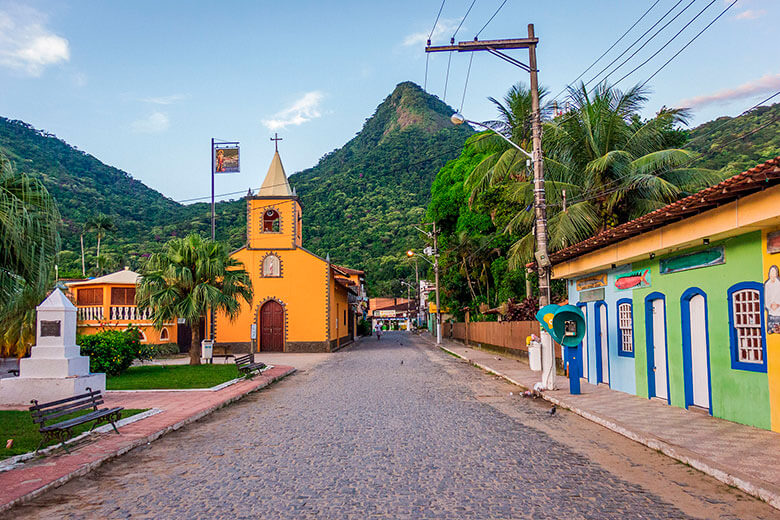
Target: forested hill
(735, 144)
(83, 187)
(361, 201)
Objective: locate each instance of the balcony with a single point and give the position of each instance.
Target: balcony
(128, 313)
(92, 312)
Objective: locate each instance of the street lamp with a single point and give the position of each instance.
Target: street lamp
(435, 265)
(458, 119)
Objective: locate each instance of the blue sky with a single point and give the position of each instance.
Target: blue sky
(145, 85)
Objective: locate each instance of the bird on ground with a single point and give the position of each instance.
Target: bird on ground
(552, 410)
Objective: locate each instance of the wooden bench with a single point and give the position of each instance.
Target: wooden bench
(47, 416)
(246, 364)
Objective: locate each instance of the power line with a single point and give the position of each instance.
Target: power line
(656, 53)
(452, 40)
(494, 15)
(690, 42)
(635, 42)
(605, 52)
(466, 84)
(648, 41)
(430, 35)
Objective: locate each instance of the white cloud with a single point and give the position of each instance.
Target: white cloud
(750, 14)
(302, 111)
(26, 44)
(765, 84)
(163, 100)
(154, 123)
(444, 28)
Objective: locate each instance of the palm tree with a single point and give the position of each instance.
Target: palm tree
(603, 165)
(505, 162)
(187, 279)
(29, 240)
(101, 224)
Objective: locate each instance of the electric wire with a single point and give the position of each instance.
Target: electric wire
(430, 35)
(441, 7)
(656, 53)
(463, 20)
(466, 84)
(447, 77)
(648, 41)
(494, 15)
(605, 52)
(635, 42)
(689, 42)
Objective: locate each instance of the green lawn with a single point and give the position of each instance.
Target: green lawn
(18, 425)
(151, 377)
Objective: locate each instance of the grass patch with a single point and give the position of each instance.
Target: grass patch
(18, 425)
(166, 377)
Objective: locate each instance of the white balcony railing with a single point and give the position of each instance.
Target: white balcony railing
(94, 313)
(129, 313)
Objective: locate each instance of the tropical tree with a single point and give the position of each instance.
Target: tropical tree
(101, 224)
(187, 279)
(604, 165)
(29, 240)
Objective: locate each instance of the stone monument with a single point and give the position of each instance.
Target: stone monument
(55, 368)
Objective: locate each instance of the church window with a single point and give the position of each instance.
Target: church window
(271, 223)
(272, 266)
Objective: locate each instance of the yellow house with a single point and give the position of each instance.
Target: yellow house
(302, 302)
(109, 302)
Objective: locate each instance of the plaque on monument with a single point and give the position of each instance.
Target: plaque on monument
(50, 328)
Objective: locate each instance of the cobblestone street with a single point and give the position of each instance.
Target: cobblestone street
(393, 429)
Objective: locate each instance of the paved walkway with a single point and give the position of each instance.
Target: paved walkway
(179, 408)
(742, 456)
(383, 429)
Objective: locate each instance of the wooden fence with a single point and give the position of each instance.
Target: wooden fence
(505, 334)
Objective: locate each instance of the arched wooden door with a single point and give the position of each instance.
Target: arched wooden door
(271, 327)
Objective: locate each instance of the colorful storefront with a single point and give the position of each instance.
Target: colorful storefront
(683, 304)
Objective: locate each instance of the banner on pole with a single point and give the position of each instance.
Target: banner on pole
(226, 159)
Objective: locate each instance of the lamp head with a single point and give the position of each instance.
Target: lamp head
(457, 119)
(410, 253)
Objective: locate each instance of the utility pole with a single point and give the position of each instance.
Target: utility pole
(436, 275)
(495, 47)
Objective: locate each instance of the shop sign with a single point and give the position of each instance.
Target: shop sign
(633, 280)
(705, 258)
(592, 282)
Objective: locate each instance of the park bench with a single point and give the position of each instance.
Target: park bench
(246, 364)
(47, 416)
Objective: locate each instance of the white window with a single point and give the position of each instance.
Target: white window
(271, 266)
(747, 325)
(626, 324)
(164, 334)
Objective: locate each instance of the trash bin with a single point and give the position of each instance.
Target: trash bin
(207, 349)
(534, 353)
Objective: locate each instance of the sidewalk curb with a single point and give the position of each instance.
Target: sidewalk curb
(87, 468)
(742, 482)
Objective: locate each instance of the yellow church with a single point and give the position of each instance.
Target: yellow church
(302, 302)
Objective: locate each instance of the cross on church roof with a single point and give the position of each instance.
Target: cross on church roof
(276, 140)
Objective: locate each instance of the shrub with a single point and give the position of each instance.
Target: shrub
(112, 351)
(364, 328)
(161, 350)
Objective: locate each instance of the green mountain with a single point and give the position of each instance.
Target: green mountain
(83, 186)
(360, 201)
(734, 144)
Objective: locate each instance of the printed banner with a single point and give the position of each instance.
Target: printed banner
(633, 280)
(226, 159)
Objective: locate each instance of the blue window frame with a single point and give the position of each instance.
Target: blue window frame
(625, 327)
(746, 326)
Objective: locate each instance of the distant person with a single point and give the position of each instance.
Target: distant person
(378, 330)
